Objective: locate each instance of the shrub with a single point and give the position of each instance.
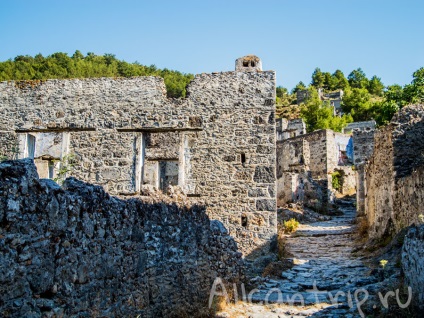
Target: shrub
(290, 226)
(66, 166)
(336, 180)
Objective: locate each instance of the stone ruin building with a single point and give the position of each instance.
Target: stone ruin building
(333, 98)
(289, 128)
(306, 164)
(217, 145)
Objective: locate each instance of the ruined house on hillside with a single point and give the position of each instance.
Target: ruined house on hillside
(217, 144)
(334, 99)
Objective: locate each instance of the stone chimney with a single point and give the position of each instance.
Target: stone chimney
(249, 63)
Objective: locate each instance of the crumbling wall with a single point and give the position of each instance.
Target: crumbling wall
(300, 187)
(9, 145)
(394, 175)
(290, 128)
(338, 162)
(347, 180)
(224, 132)
(302, 170)
(413, 263)
(305, 165)
(77, 251)
(363, 148)
(318, 153)
(363, 144)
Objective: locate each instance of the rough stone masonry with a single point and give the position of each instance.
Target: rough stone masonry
(394, 175)
(76, 251)
(125, 135)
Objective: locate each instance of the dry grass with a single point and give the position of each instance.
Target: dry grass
(362, 229)
(288, 111)
(249, 58)
(219, 303)
(283, 250)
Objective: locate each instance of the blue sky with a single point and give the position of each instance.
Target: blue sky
(384, 38)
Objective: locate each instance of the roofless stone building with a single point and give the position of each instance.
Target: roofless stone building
(217, 144)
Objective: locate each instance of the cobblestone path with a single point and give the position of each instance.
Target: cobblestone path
(326, 280)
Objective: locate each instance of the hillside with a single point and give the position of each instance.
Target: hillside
(60, 65)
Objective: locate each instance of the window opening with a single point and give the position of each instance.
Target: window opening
(244, 220)
(243, 158)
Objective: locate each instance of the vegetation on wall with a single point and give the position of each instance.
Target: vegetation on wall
(60, 65)
(364, 99)
(337, 181)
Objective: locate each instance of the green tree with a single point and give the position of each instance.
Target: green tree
(60, 65)
(319, 114)
(383, 111)
(284, 98)
(358, 79)
(78, 55)
(357, 102)
(340, 81)
(414, 92)
(281, 91)
(329, 82)
(318, 78)
(299, 87)
(394, 93)
(375, 86)
(109, 58)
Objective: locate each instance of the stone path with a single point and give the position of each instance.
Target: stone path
(325, 279)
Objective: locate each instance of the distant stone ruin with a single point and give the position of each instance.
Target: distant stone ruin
(290, 128)
(217, 145)
(334, 99)
(307, 164)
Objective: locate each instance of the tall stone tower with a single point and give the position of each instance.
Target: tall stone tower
(248, 63)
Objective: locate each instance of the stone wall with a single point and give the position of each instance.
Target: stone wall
(363, 148)
(394, 175)
(413, 263)
(289, 128)
(123, 132)
(363, 145)
(77, 251)
(360, 126)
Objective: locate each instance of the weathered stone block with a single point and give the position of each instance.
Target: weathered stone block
(264, 174)
(264, 149)
(195, 121)
(266, 205)
(258, 192)
(413, 263)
